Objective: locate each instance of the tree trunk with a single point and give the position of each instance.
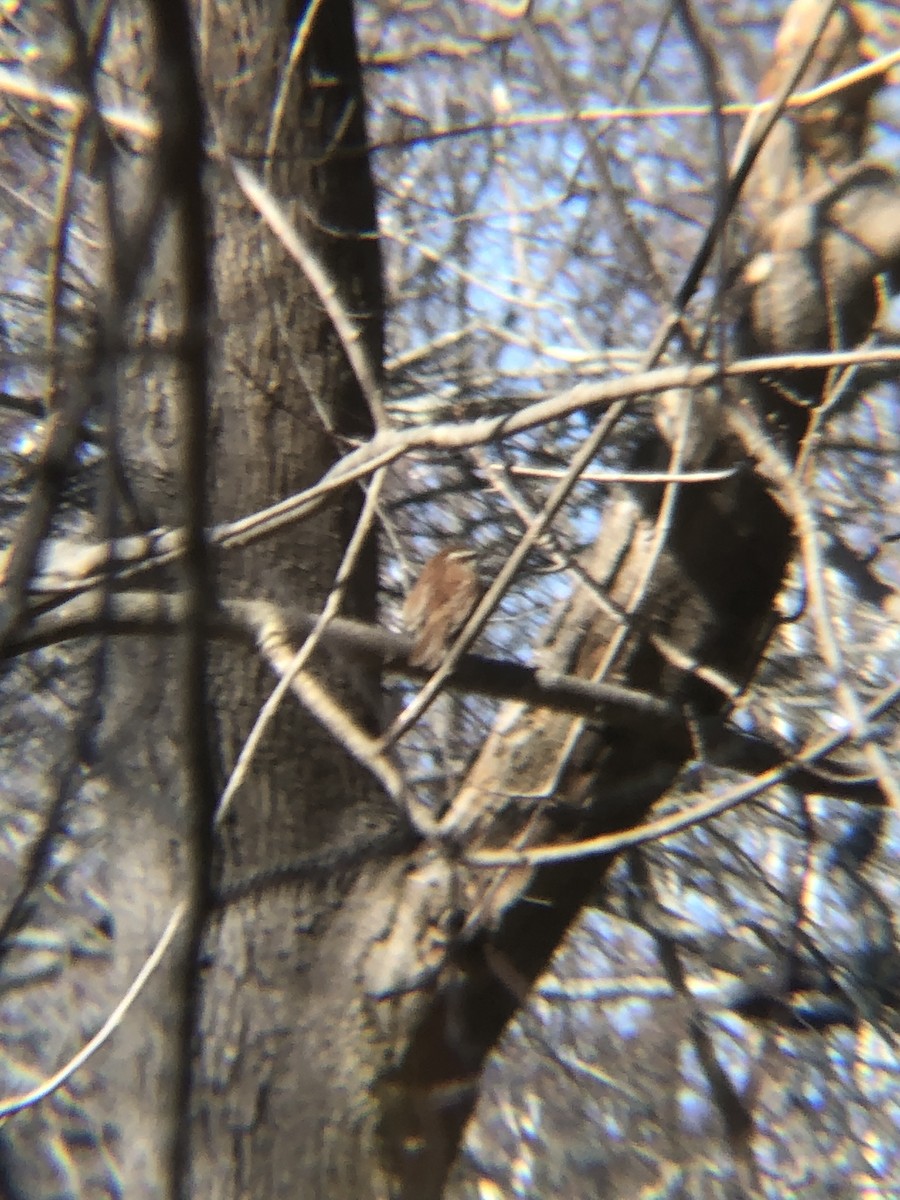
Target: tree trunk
(280, 1100)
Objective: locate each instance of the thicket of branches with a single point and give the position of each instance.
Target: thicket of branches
(609, 905)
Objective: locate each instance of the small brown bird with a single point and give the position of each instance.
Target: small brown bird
(440, 603)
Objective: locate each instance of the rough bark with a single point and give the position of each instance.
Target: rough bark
(281, 1086)
(649, 615)
(280, 1099)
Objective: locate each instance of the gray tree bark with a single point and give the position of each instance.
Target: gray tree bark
(280, 1090)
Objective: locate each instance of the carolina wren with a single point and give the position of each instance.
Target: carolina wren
(440, 603)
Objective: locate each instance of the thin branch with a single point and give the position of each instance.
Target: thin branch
(128, 558)
(29, 1099)
(293, 677)
(256, 622)
(315, 271)
(694, 814)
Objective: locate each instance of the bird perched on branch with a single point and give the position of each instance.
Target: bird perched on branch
(440, 603)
